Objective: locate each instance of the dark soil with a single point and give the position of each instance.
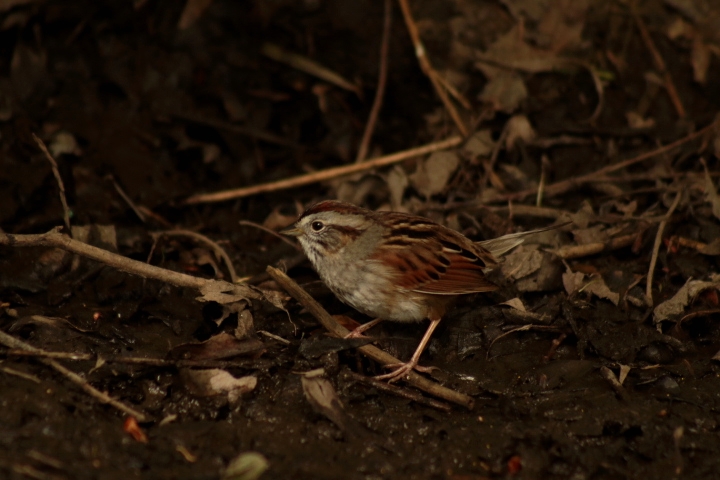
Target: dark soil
(126, 98)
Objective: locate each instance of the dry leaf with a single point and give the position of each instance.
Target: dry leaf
(518, 129)
(712, 248)
(222, 345)
(505, 91)
(683, 298)
(62, 143)
(480, 144)
(225, 293)
(131, 426)
(433, 174)
(584, 215)
(215, 381)
(574, 282)
(585, 236)
(246, 466)
(637, 121)
(521, 262)
(320, 393)
(700, 59)
(515, 303)
(277, 220)
(397, 181)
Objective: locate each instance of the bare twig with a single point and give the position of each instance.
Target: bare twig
(563, 186)
(490, 174)
(239, 129)
(370, 351)
(656, 248)
(428, 69)
(12, 342)
(660, 65)
(578, 251)
(54, 238)
(400, 392)
(275, 234)
(308, 66)
(380, 92)
(58, 179)
(127, 199)
(524, 328)
(323, 175)
(21, 374)
(150, 362)
(219, 251)
(541, 186)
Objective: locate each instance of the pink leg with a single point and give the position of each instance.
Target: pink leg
(357, 333)
(405, 368)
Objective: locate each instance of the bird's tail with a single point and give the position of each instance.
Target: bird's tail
(501, 245)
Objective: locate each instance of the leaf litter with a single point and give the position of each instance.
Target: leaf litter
(525, 83)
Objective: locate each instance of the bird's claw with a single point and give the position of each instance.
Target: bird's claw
(402, 371)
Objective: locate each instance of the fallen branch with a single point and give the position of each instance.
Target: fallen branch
(58, 179)
(12, 342)
(54, 238)
(578, 251)
(400, 392)
(563, 186)
(428, 69)
(217, 249)
(656, 248)
(150, 362)
(660, 65)
(323, 175)
(369, 351)
(380, 92)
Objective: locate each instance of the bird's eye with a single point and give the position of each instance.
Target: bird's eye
(317, 226)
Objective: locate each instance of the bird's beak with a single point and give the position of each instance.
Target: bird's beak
(292, 231)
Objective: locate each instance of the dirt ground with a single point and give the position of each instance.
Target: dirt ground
(596, 359)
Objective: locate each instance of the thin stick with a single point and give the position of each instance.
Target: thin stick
(151, 362)
(490, 174)
(12, 342)
(660, 65)
(127, 199)
(308, 66)
(239, 129)
(400, 392)
(54, 238)
(565, 185)
(428, 69)
(217, 249)
(58, 179)
(578, 251)
(380, 92)
(656, 249)
(248, 223)
(323, 175)
(369, 351)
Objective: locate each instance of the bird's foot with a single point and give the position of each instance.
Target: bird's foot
(402, 370)
(357, 333)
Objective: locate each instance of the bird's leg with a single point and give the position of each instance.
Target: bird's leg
(403, 369)
(357, 333)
